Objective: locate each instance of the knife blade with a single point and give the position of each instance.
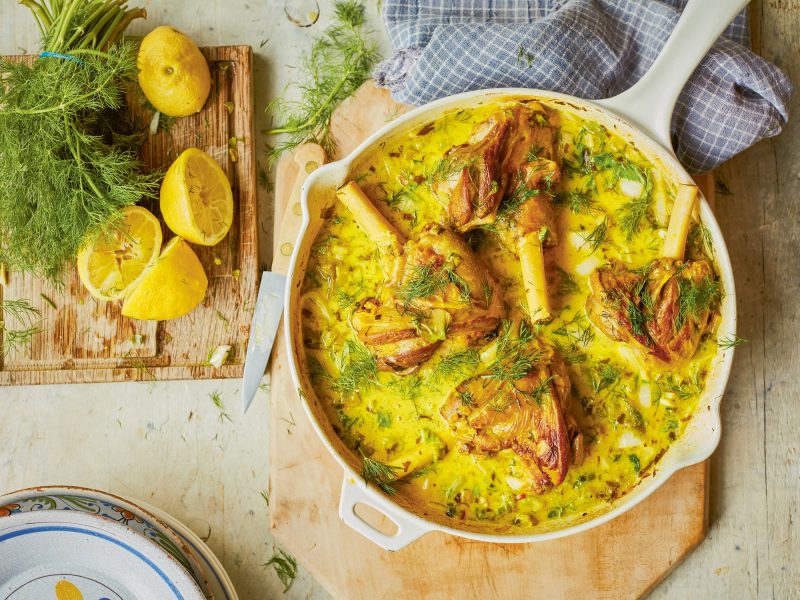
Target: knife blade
(266, 319)
(290, 177)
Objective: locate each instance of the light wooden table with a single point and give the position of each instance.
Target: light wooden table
(166, 443)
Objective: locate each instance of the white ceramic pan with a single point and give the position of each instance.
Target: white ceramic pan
(641, 115)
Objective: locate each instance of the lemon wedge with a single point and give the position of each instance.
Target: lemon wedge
(196, 198)
(115, 261)
(170, 288)
(173, 73)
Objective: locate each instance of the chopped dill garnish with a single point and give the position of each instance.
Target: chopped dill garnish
(466, 398)
(426, 280)
(637, 318)
(384, 419)
(347, 421)
(431, 468)
(339, 62)
(595, 238)
(379, 474)
(347, 299)
(635, 462)
(578, 202)
(457, 364)
(524, 55)
(696, 298)
(566, 283)
(359, 370)
(285, 568)
(633, 412)
(316, 370)
(265, 496)
(511, 205)
(604, 377)
(443, 169)
(577, 329)
(216, 398)
(700, 239)
(540, 391)
(731, 341)
(634, 212)
(409, 387)
(20, 321)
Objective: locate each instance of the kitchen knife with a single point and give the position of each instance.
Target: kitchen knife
(269, 302)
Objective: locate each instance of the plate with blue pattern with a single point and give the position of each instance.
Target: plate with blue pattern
(72, 555)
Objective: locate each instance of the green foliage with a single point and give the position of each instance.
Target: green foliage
(694, 298)
(359, 369)
(339, 62)
(68, 171)
(379, 474)
(19, 322)
(285, 568)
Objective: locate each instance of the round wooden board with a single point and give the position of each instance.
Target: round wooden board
(621, 559)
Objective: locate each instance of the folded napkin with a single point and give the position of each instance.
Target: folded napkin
(587, 48)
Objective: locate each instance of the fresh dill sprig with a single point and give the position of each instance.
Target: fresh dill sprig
(595, 238)
(20, 321)
(731, 341)
(347, 299)
(339, 62)
(379, 474)
(512, 204)
(604, 377)
(359, 370)
(69, 165)
(514, 358)
(694, 298)
(216, 399)
(578, 202)
(285, 567)
(457, 364)
(566, 283)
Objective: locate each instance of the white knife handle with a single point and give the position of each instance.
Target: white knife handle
(302, 162)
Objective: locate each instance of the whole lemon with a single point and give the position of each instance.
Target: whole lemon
(173, 73)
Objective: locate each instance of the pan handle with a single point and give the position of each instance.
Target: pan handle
(355, 493)
(649, 103)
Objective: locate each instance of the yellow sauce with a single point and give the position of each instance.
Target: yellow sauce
(629, 417)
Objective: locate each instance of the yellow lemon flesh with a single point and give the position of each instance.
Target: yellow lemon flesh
(171, 288)
(114, 263)
(196, 198)
(173, 73)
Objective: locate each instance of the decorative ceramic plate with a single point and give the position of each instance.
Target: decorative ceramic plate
(218, 580)
(72, 555)
(113, 508)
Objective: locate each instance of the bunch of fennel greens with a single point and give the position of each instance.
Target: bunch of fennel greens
(339, 62)
(68, 165)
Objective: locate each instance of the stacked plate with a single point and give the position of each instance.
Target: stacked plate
(72, 543)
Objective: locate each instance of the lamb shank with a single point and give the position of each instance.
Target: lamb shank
(663, 309)
(522, 409)
(436, 288)
(506, 171)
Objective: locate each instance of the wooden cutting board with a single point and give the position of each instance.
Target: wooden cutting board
(89, 341)
(624, 558)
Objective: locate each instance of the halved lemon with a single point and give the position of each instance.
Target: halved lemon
(115, 261)
(196, 198)
(171, 288)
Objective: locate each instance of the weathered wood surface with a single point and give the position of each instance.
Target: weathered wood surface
(305, 483)
(84, 340)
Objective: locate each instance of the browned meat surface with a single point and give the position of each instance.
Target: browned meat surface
(442, 291)
(528, 415)
(509, 156)
(474, 188)
(663, 311)
(397, 340)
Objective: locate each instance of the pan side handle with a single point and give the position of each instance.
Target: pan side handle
(649, 103)
(355, 493)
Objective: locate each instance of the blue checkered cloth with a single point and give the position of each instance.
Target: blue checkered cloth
(588, 48)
